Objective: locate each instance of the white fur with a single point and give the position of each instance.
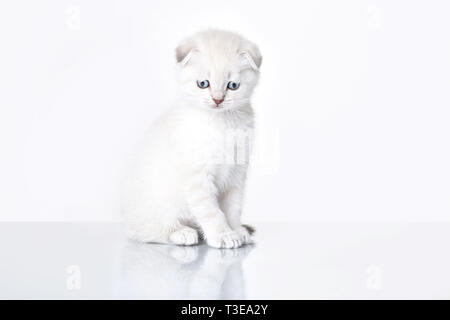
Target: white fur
(183, 180)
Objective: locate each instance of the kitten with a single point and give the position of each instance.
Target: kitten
(184, 181)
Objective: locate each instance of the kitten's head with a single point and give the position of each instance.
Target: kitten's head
(218, 70)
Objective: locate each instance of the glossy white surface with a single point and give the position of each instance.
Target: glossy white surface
(290, 261)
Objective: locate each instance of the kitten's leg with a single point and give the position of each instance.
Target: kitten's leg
(201, 196)
(184, 236)
(231, 204)
(165, 229)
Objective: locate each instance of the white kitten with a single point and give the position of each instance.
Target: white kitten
(186, 179)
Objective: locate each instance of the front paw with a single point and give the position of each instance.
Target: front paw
(244, 235)
(226, 239)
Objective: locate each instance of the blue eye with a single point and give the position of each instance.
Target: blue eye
(233, 85)
(203, 84)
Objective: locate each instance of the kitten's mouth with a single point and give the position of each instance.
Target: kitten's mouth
(217, 106)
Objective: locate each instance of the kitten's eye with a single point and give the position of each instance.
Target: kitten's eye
(203, 84)
(233, 85)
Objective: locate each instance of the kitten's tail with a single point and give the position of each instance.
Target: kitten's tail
(251, 230)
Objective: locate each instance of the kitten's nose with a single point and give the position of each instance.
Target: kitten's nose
(218, 101)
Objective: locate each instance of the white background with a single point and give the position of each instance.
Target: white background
(353, 105)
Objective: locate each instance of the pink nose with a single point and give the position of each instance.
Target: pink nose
(218, 101)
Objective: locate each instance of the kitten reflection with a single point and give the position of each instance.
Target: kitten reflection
(173, 272)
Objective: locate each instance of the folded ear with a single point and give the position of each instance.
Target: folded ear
(251, 52)
(184, 51)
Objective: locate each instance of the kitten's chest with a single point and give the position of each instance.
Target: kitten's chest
(217, 142)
